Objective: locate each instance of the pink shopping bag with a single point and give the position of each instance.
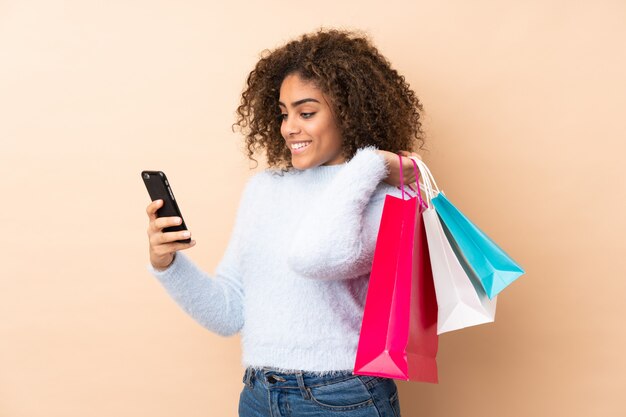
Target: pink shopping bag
(399, 329)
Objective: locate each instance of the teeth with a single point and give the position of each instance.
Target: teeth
(300, 145)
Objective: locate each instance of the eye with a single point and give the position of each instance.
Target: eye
(307, 115)
(282, 117)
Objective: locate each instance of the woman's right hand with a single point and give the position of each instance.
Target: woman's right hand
(396, 171)
(163, 245)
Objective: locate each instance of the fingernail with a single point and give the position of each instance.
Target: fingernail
(178, 220)
(186, 234)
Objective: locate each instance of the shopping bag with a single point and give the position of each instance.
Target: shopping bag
(493, 267)
(398, 336)
(461, 300)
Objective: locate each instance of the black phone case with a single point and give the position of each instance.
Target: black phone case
(159, 188)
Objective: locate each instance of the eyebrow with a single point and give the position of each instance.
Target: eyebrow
(297, 103)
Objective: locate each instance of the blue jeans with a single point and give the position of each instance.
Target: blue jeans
(269, 393)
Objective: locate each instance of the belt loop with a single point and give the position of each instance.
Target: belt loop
(250, 378)
(303, 388)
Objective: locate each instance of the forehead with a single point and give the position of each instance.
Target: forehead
(294, 88)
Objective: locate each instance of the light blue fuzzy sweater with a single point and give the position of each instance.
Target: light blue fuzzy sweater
(295, 272)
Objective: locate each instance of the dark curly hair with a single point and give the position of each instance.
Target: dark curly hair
(372, 103)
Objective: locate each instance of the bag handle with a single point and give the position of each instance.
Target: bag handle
(427, 185)
(417, 175)
(430, 186)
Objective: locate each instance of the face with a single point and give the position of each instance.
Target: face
(308, 124)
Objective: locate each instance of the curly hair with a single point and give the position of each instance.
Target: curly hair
(372, 103)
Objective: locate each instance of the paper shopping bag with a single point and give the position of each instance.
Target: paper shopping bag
(399, 329)
(461, 299)
(473, 248)
(495, 269)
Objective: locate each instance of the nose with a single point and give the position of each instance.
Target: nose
(290, 126)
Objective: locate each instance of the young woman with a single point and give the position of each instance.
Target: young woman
(331, 115)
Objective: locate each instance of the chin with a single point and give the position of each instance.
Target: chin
(302, 165)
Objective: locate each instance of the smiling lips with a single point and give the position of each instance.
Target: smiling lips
(299, 147)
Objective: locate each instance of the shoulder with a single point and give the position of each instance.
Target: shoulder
(266, 179)
(270, 175)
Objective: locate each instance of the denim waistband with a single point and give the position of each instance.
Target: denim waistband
(276, 379)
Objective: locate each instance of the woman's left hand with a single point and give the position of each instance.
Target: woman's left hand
(407, 170)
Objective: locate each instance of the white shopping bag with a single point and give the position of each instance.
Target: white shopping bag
(461, 299)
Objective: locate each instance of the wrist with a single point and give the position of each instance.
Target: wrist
(160, 267)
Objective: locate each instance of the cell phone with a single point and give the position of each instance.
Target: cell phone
(159, 188)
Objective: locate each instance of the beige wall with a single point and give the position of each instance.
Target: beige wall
(525, 106)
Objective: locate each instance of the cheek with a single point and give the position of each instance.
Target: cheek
(325, 131)
(333, 136)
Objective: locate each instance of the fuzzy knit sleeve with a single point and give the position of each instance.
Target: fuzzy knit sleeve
(337, 237)
(215, 302)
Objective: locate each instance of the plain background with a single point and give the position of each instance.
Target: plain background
(524, 114)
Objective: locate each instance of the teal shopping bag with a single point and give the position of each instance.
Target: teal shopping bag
(495, 269)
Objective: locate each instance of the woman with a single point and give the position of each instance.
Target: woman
(331, 115)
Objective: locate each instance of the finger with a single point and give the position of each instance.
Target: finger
(163, 222)
(182, 246)
(169, 237)
(407, 164)
(153, 207)
(172, 247)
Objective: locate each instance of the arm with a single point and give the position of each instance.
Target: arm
(216, 303)
(337, 237)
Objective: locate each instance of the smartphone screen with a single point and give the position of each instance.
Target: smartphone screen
(159, 188)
